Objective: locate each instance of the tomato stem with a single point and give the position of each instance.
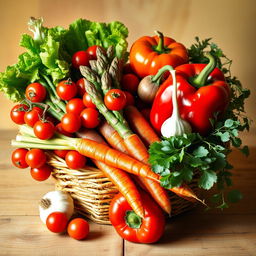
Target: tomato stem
(133, 220)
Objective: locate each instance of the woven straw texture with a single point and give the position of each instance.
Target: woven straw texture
(92, 191)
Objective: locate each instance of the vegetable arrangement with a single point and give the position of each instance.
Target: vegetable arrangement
(167, 115)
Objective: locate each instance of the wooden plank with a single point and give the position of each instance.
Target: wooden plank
(25, 235)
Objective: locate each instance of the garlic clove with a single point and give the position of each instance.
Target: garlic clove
(175, 125)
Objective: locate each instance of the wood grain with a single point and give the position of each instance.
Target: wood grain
(216, 232)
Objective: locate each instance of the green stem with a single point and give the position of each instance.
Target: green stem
(132, 219)
(22, 144)
(56, 112)
(156, 79)
(201, 79)
(160, 47)
(52, 93)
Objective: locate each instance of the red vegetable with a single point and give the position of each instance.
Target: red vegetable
(57, 222)
(36, 158)
(44, 130)
(115, 99)
(61, 153)
(149, 54)
(59, 129)
(70, 122)
(74, 160)
(42, 173)
(129, 99)
(19, 158)
(92, 51)
(75, 106)
(66, 89)
(32, 116)
(78, 228)
(133, 228)
(80, 58)
(130, 82)
(35, 92)
(202, 94)
(80, 87)
(88, 101)
(17, 113)
(90, 118)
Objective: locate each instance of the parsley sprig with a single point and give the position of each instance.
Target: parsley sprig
(182, 158)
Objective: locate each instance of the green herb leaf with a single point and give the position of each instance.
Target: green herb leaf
(207, 179)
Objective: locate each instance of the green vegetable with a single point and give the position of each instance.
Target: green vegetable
(179, 159)
(49, 52)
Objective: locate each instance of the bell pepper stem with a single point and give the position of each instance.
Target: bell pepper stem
(132, 219)
(156, 79)
(160, 46)
(201, 79)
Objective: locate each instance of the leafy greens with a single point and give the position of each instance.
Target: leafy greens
(48, 54)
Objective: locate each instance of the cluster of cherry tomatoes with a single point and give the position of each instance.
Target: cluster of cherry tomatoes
(77, 228)
(80, 112)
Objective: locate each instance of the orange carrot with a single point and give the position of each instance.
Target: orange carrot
(124, 184)
(140, 125)
(114, 158)
(157, 192)
(112, 137)
(121, 179)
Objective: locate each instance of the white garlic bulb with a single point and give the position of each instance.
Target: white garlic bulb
(56, 201)
(175, 125)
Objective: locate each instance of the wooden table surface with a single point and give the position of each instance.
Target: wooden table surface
(228, 232)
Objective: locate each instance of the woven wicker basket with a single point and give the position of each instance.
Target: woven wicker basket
(92, 191)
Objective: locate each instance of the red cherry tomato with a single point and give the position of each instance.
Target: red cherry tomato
(57, 222)
(19, 158)
(44, 130)
(35, 158)
(71, 122)
(35, 92)
(75, 160)
(87, 101)
(90, 118)
(78, 228)
(75, 106)
(80, 87)
(17, 113)
(80, 58)
(66, 89)
(129, 99)
(115, 99)
(42, 173)
(59, 129)
(92, 51)
(130, 83)
(32, 116)
(61, 153)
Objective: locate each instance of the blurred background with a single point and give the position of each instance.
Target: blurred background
(231, 23)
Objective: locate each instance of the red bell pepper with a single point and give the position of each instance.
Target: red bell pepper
(202, 94)
(149, 54)
(133, 228)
